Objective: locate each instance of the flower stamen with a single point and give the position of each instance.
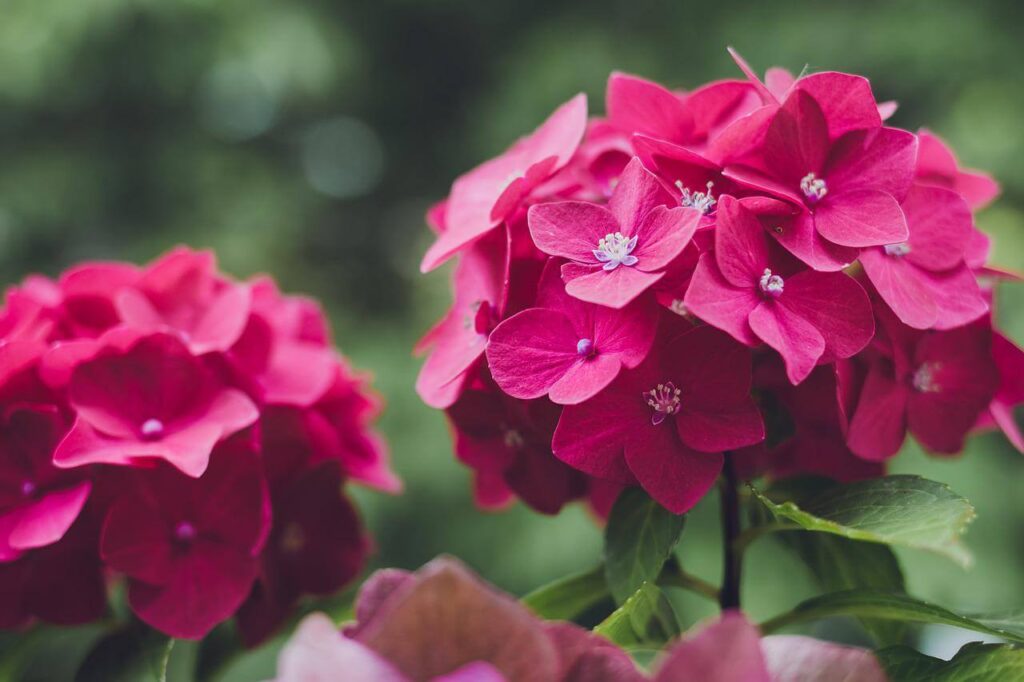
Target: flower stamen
(615, 249)
(664, 399)
(702, 201)
(152, 429)
(924, 378)
(897, 250)
(771, 285)
(813, 187)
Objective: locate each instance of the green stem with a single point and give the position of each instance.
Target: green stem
(166, 660)
(729, 598)
(675, 576)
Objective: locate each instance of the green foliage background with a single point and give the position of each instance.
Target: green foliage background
(305, 138)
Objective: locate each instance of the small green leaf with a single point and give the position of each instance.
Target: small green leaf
(645, 618)
(898, 607)
(131, 653)
(637, 541)
(568, 597)
(975, 662)
(896, 510)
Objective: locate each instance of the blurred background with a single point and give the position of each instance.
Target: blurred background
(305, 138)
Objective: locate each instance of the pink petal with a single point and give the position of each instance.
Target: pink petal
(662, 235)
(317, 651)
(902, 286)
(671, 473)
(799, 236)
(846, 101)
(637, 193)
(587, 657)
(529, 352)
(473, 672)
(727, 650)
(861, 218)
(135, 540)
(572, 229)
(958, 298)
(470, 211)
(836, 305)
(636, 105)
(793, 658)
(585, 379)
(797, 140)
(879, 424)
(714, 300)
(46, 520)
(795, 339)
(297, 374)
(721, 430)
(717, 104)
(940, 226)
(882, 160)
(741, 248)
(613, 288)
(778, 80)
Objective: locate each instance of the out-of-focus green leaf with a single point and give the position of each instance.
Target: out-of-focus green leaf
(645, 618)
(896, 510)
(975, 662)
(568, 597)
(129, 654)
(898, 607)
(637, 541)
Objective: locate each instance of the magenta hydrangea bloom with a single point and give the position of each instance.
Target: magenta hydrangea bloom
(165, 415)
(755, 295)
(490, 193)
(565, 348)
(665, 424)
(925, 280)
(933, 384)
(151, 399)
(619, 251)
(938, 166)
(443, 624)
(848, 189)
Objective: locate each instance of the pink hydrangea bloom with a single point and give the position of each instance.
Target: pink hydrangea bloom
(938, 166)
(617, 252)
(757, 296)
(665, 424)
(165, 415)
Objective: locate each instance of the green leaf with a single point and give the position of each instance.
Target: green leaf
(838, 564)
(569, 597)
(645, 618)
(132, 653)
(898, 607)
(638, 540)
(896, 510)
(975, 662)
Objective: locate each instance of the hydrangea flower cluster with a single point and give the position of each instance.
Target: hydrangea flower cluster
(186, 431)
(442, 623)
(758, 268)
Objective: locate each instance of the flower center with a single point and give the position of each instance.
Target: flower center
(28, 488)
(615, 249)
(152, 429)
(771, 285)
(293, 538)
(679, 307)
(513, 439)
(664, 400)
(185, 532)
(924, 378)
(585, 347)
(901, 249)
(813, 187)
(702, 201)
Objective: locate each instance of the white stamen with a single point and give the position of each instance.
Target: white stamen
(771, 284)
(585, 347)
(679, 308)
(901, 249)
(514, 439)
(615, 249)
(152, 428)
(813, 187)
(702, 201)
(924, 378)
(664, 399)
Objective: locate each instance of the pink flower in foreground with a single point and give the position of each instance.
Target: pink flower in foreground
(666, 423)
(490, 193)
(1010, 361)
(565, 348)
(937, 166)
(849, 188)
(619, 251)
(190, 546)
(150, 400)
(732, 650)
(443, 624)
(934, 384)
(756, 295)
(925, 280)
